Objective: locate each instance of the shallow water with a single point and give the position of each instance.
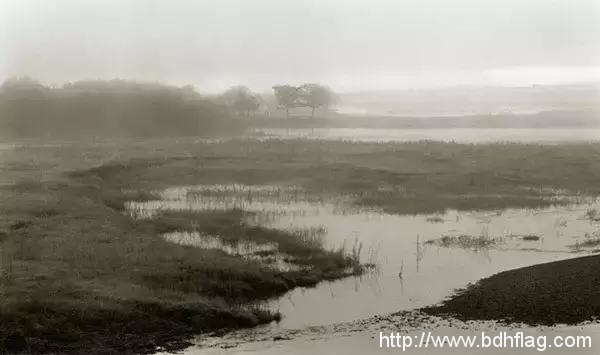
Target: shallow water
(410, 272)
(396, 243)
(459, 135)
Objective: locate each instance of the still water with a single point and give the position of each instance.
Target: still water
(413, 268)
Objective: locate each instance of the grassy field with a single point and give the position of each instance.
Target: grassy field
(80, 276)
(399, 178)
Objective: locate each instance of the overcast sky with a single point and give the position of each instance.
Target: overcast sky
(348, 44)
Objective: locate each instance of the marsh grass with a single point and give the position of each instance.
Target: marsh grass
(356, 255)
(465, 241)
(531, 237)
(79, 270)
(92, 257)
(231, 227)
(590, 241)
(593, 215)
(118, 199)
(312, 237)
(435, 219)
(434, 176)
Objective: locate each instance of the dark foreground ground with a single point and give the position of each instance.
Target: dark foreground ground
(565, 292)
(80, 276)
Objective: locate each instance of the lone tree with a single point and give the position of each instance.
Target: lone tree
(287, 97)
(242, 100)
(315, 96)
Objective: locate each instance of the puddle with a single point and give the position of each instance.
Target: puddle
(413, 269)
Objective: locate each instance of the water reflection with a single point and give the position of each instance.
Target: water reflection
(413, 268)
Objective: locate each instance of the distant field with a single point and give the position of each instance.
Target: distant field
(76, 270)
(566, 118)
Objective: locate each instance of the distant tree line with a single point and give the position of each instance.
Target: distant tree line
(109, 108)
(121, 108)
(245, 103)
(241, 101)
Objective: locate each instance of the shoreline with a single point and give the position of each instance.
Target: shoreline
(559, 292)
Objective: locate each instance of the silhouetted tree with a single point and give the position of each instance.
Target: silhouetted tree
(287, 97)
(315, 96)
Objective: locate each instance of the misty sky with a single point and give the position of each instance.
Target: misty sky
(350, 45)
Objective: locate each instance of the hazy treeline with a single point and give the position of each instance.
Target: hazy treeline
(115, 108)
(121, 108)
(242, 101)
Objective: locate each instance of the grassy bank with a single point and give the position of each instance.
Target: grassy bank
(424, 177)
(75, 270)
(565, 292)
(80, 276)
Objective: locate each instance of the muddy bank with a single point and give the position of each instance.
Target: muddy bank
(565, 291)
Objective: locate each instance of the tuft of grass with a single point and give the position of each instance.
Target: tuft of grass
(592, 214)
(530, 237)
(591, 241)
(356, 253)
(20, 225)
(464, 241)
(434, 219)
